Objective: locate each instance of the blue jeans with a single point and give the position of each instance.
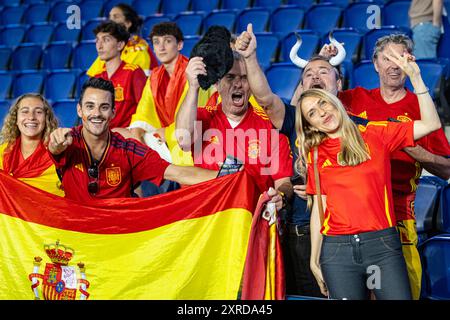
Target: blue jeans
(426, 37)
(353, 264)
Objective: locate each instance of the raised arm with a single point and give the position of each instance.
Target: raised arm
(429, 118)
(272, 104)
(187, 114)
(188, 175)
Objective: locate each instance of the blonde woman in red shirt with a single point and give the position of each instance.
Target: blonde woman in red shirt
(354, 245)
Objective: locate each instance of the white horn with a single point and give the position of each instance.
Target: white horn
(337, 59)
(299, 62)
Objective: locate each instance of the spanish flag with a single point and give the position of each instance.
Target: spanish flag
(187, 244)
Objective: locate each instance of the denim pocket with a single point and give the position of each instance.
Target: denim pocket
(329, 252)
(392, 243)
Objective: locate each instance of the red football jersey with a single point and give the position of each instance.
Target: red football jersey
(369, 104)
(129, 81)
(263, 150)
(359, 198)
(125, 161)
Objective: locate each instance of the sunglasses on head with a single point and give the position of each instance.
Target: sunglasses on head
(93, 185)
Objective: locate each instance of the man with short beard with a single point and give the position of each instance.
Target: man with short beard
(96, 163)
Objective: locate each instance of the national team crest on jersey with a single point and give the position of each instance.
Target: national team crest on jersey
(59, 281)
(113, 176)
(118, 93)
(253, 149)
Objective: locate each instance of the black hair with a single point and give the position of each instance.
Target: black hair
(118, 31)
(131, 16)
(98, 83)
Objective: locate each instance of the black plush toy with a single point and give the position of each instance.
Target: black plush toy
(215, 49)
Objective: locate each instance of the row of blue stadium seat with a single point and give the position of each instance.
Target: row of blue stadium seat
(55, 85)
(30, 11)
(321, 18)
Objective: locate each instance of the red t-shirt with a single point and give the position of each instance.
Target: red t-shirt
(123, 159)
(264, 151)
(129, 81)
(369, 104)
(359, 198)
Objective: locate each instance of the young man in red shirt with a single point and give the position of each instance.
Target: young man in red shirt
(128, 79)
(97, 163)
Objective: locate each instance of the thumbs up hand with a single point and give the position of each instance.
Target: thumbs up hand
(246, 42)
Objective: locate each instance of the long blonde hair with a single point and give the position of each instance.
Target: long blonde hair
(10, 131)
(353, 148)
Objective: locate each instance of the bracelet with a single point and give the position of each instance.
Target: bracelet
(418, 93)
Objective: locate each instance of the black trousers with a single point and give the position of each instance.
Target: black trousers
(297, 253)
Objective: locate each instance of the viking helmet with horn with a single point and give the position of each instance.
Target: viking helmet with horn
(301, 63)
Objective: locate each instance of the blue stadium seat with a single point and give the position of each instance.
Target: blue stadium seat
(443, 215)
(27, 81)
(147, 7)
(37, 12)
(81, 79)
(309, 46)
(88, 28)
(259, 17)
(432, 73)
(5, 57)
(339, 3)
(305, 4)
(188, 44)
(189, 22)
(364, 75)
(91, 9)
(283, 78)
(108, 5)
(235, 4)
(285, 19)
(427, 201)
(66, 112)
(26, 57)
(6, 79)
(150, 21)
(40, 33)
(267, 48)
(272, 4)
(224, 18)
(371, 37)
(10, 2)
(84, 55)
(357, 16)
(396, 14)
(57, 55)
(174, 7)
(12, 35)
(4, 108)
(59, 84)
(205, 6)
(322, 18)
(62, 33)
(58, 12)
(435, 256)
(12, 15)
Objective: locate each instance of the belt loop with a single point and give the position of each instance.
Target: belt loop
(297, 232)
